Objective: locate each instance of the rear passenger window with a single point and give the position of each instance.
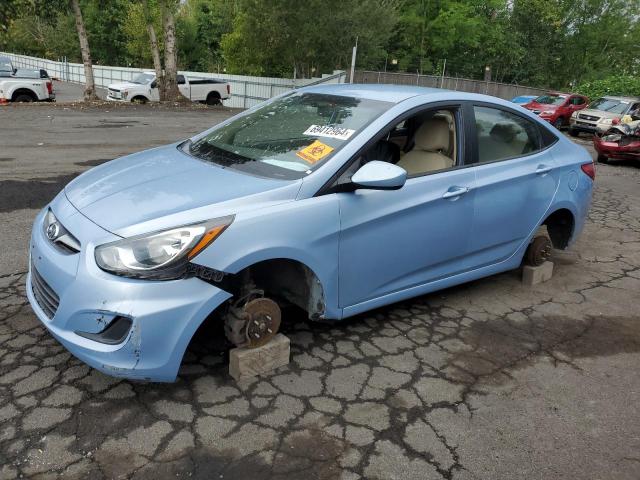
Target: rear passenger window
(503, 135)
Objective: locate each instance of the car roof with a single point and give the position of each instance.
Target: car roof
(373, 91)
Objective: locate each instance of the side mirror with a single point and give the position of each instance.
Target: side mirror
(377, 175)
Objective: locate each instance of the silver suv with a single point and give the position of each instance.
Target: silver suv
(599, 115)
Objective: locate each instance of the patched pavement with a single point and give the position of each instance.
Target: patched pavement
(490, 379)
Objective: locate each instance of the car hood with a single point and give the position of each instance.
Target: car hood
(123, 85)
(599, 113)
(541, 106)
(164, 187)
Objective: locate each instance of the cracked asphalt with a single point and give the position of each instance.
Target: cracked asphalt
(488, 380)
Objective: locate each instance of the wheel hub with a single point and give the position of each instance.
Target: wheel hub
(263, 321)
(254, 324)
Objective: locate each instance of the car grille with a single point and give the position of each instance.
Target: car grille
(47, 299)
(588, 117)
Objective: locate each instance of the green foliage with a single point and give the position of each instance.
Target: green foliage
(623, 85)
(274, 37)
(138, 51)
(545, 43)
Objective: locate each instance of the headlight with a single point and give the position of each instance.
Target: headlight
(606, 121)
(160, 255)
(547, 112)
(574, 114)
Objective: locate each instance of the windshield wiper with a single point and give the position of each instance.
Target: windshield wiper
(217, 155)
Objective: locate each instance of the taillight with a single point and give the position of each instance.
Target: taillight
(589, 169)
(228, 89)
(50, 87)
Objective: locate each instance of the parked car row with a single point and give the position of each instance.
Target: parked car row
(613, 121)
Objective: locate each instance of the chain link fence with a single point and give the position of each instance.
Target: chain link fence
(505, 91)
(246, 91)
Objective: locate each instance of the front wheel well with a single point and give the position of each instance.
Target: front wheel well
(280, 278)
(560, 225)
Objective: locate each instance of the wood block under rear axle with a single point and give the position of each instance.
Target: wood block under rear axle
(534, 275)
(250, 362)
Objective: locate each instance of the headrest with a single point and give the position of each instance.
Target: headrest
(504, 132)
(433, 135)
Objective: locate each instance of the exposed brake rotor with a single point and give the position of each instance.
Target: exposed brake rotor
(254, 324)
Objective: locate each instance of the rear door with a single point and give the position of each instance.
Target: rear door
(516, 180)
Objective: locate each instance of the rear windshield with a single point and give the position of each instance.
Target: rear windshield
(289, 137)
(610, 105)
(550, 100)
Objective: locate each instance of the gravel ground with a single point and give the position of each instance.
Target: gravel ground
(489, 380)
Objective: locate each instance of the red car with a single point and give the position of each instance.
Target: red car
(556, 108)
(617, 147)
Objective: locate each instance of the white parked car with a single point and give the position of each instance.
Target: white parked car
(15, 89)
(144, 88)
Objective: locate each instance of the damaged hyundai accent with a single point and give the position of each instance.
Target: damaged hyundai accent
(337, 198)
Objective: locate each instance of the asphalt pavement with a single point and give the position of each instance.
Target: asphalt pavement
(488, 380)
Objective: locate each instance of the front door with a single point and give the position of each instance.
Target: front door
(391, 241)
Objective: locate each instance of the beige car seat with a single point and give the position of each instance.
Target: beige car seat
(431, 146)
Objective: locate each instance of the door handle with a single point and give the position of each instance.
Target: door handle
(455, 192)
(542, 169)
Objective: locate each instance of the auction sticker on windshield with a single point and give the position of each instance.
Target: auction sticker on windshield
(329, 132)
(314, 152)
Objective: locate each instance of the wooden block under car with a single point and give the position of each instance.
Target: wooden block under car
(534, 275)
(250, 362)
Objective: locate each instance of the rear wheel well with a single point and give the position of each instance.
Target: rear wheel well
(282, 279)
(560, 226)
(213, 98)
(24, 91)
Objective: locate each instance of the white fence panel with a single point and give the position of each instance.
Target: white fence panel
(246, 91)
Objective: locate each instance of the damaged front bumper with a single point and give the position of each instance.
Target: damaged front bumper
(123, 327)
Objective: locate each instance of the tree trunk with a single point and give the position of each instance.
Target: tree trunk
(90, 86)
(155, 51)
(170, 59)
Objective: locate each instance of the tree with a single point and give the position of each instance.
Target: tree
(168, 8)
(276, 37)
(89, 86)
(155, 50)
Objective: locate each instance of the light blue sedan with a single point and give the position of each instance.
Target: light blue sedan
(337, 198)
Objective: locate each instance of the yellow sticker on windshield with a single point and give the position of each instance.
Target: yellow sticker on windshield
(314, 152)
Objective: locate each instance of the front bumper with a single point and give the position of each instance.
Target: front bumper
(582, 126)
(164, 315)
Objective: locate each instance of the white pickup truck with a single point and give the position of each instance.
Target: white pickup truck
(143, 88)
(16, 89)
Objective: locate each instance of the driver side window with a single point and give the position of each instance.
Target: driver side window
(422, 144)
